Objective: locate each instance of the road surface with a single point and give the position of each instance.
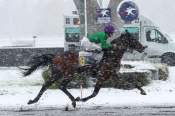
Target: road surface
(94, 111)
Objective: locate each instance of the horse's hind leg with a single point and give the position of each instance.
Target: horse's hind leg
(43, 89)
(141, 90)
(95, 92)
(63, 86)
(54, 77)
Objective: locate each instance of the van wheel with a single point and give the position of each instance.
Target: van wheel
(168, 59)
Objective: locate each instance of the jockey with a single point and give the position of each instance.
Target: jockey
(97, 42)
(102, 37)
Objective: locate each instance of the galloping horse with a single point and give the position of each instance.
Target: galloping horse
(66, 64)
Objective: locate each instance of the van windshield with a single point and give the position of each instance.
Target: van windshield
(133, 30)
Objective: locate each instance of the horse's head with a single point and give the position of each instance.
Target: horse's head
(127, 41)
(134, 44)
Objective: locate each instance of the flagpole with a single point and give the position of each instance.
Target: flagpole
(85, 17)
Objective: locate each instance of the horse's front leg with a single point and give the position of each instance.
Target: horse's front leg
(142, 92)
(95, 92)
(43, 89)
(63, 86)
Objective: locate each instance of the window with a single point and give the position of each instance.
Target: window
(72, 37)
(73, 47)
(76, 21)
(74, 12)
(155, 36)
(67, 20)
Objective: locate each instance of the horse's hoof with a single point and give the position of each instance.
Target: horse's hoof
(74, 104)
(31, 102)
(143, 93)
(77, 99)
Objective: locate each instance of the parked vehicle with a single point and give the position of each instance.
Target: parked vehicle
(160, 45)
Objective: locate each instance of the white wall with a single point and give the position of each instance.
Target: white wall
(21, 19)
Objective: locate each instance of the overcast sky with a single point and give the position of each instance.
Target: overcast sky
(161, 12)
(42, 17)
(20, 18)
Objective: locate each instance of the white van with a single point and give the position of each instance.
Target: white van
(160, 45)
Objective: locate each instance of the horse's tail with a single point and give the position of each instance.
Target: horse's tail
(38, 62)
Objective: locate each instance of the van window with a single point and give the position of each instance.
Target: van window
(133, 30)
(155, 36)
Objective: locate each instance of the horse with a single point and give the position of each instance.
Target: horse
(66, 64)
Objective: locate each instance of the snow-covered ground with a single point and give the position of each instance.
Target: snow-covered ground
(15, 91)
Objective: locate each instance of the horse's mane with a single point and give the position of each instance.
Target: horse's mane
(122, 37)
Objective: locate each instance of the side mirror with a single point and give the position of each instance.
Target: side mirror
(166, 41)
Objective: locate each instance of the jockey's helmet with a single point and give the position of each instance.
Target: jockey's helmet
(109, 29)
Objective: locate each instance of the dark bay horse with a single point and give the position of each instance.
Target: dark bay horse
(66, 64)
